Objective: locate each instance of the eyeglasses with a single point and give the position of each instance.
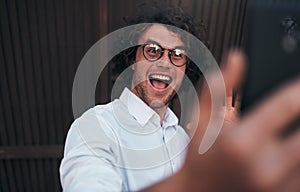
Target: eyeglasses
(153, 52)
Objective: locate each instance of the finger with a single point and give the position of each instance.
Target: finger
(205, 109)
(225, 67)
(212, 99)
(233, 72)
(229, 96)
(205, 96)
(211, 84)
(273, 114)
(193, 115)
(237, 99)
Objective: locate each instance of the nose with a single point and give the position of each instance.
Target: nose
(164, 60)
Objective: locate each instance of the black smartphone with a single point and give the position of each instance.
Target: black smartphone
(272, 45)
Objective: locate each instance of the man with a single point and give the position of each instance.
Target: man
(135, 141)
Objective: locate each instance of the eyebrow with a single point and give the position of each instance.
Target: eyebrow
(182, 47)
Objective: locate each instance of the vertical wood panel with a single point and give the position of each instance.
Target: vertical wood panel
(229, 25)
(3, 93)
(26, 176)
(69, 52)
(36, 173)
(213, 24)
(63, 70)
(3, 178)
(10, 171)
(103, 86)
(241, 17)
(19, 36)
(12, 100)
(55, 179)
(41, 174)
(45, 63)
(53, 69)
(39, 102)
(31, 130)
(220, 28)
(48, 170)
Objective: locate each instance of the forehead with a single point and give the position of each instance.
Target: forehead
(162, 35)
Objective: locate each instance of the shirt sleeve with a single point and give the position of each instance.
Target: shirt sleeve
(89, 159)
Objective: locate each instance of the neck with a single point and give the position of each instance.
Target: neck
(161, 112)
(159, 109)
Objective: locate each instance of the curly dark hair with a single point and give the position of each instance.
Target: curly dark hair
(163, 12)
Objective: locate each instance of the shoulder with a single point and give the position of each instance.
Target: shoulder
(181, 131)
(94, 122)
(97, 114)
(92, 127)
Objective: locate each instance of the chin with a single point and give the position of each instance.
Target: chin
(157, 104)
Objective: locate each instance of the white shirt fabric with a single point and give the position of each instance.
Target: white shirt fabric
(121, 146)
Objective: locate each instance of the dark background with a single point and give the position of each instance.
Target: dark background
(41, 45)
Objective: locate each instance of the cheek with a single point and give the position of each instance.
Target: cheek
(139, 55)
(181, 72)
(137, 63)
(140, 71)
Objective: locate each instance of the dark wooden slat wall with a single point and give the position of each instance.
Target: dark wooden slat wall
(41, 45)
(224, 21)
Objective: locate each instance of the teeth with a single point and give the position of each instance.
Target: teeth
(163, 78)
(160, 77)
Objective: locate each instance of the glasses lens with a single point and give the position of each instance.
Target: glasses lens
(178, 57)
(152, 52)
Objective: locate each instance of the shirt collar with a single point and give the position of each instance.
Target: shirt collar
(170, 119)
(143, 113)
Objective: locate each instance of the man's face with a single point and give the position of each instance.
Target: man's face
(155, 82)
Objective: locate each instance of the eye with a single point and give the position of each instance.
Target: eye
(152, 50)
(178, 54)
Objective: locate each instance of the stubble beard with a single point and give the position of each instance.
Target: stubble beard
(154, 103)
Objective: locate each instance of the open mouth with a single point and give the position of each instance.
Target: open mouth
(159, 81)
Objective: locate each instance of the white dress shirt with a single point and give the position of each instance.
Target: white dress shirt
(121, 146)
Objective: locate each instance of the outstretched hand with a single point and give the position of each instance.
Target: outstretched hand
(233, 74)
(249, 154)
